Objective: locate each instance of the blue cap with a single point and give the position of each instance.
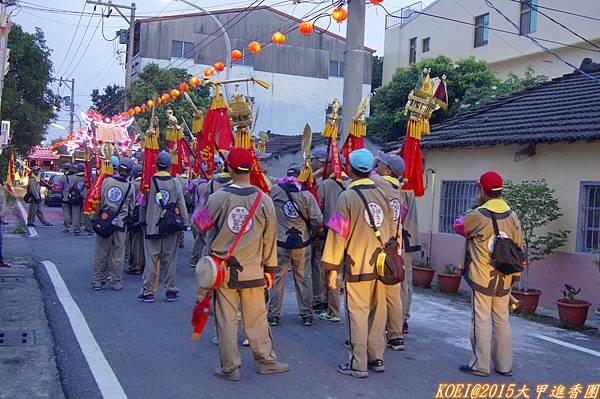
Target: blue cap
(362, 160)
(164, 160)
(115, 161)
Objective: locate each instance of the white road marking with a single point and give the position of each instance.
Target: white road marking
(103, 374)
(567, 345)
(32, 231)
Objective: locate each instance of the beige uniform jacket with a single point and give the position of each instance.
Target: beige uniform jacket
(480, 273)
(78, 182)
(391, 188)
(292, 229)
(115, 191)
(214, 185)
(65, 181)
(256, 251)
(34, 188)
(171, 193)
(329, 190)
(351, 240)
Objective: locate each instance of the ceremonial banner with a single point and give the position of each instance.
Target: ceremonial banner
(10, 174)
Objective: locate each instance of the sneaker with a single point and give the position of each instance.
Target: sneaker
(66, 231)
(97, 286)
(345, 369)
(273, 367)
(3, 264)
(376, 365)
(76, 233)
(504, 373)
(273, 321)
(396, 344)
(89, 232)
(133, 272)
(215, 340)
(347, 344)
(320, 307)
(307, 321)
(171, 296)
(30, 225)
(329, 317)
(405, 328)
(233, 375)
(117, 287)
(245, 342)
(148, 298)
(47, 224)
(469, 370)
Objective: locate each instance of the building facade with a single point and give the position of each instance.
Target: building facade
(459, 29)
(305, 74)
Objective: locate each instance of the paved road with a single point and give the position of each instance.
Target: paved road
(148, 346)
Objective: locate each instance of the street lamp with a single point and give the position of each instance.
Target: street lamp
(221, 28)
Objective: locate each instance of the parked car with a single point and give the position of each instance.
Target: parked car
(46, 178)
(54, 193)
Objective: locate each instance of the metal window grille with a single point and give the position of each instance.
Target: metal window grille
(589, 232)
(456, 197)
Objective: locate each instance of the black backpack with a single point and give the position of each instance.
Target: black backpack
(104, 223)
(75, 196)
(170, 220)
(507, 256)
(133, 221)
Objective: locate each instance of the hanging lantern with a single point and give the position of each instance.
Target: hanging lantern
(175, 93)
(340, 14)
(195, 81)
(124, 115)
(376, 1)
(165, 97)
(306, 28)
(150, 103)
(138, 109)
(254, 47)
(159, 101)
(219, 67)
(144, 107)
(184, 87)
(278, 38)
(236, 55)
(209, 72)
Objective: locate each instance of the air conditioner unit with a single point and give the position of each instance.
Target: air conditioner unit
(5, 133)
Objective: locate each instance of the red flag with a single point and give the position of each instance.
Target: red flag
(10, 175)
(411, 152)
(92, 199)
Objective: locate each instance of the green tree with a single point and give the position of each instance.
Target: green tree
(377, 73)
(110, 101)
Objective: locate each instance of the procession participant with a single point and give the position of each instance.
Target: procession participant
(353, 244)
(161, 250)
(199, 187)
(116, 202)
(262, 158)
(218, 181)
(35, 199)
(65, 183)
(317, 162)
(2, 210)
(76, 196)
(251, 267)
(298, 221)
(389, 169)
(135, 229)
(183, 181)
(329, 190)
(490, 287)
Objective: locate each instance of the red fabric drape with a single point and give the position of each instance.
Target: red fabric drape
(413, 172)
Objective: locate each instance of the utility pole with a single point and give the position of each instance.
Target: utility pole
(5, 25)
(130, 41)
(353, 65)
(71, 85)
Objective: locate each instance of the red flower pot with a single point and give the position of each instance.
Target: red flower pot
(528, 300)
(422, 277)
(449, 283)
(573, 314)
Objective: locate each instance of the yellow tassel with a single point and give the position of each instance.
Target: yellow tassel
(306, 174)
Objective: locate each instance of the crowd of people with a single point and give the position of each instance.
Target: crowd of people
(333, 241)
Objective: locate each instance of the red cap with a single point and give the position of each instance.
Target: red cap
(490, 181)
(240, 159)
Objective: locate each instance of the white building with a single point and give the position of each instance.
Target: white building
(305, 74)
(463, 28)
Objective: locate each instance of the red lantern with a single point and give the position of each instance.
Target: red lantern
(175, 93)
(339, 14)
(159, 101)
(208, 72)
(165, 97)
(195, 81)
(306, 28)
(150, 103)
(138, 109)
(254, 47)
(376, 1)
(236, 55)
(219, 67)
(144, 107)
(124, 115)
(278, 38)
(184, 87)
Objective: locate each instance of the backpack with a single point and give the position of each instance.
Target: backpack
(389, 264)
(75, 196)
(104, 223)
(133, 221)
(170, 220)
(507, 256)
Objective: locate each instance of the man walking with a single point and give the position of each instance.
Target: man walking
(363, 217)
(161, 249)
(76, 190)
(491, 288)
(251, 266)
(298, 221)
(35, 195)
(65, 183)
(116, 201)
(135, 229)
(411, 243)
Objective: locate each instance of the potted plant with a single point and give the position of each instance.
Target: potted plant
(536, 207)
(422, 274)
(449, 280)
(572, 311)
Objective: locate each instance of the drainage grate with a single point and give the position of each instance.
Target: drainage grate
(17, 338)
(11, 279)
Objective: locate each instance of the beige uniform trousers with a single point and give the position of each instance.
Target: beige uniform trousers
(395, 313)
(365, 302)
(164, 249)
(67, 220)
(198, 248)
(498, 347)
(254, 321)
(77, 220)
(299, 259)
(87, 223)
(318, 283)
(407, 286)
(136, 250)
(109, 258)
(333, 296)
(35, 209)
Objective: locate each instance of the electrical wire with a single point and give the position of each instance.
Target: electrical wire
(72, 70)
(80, 43)
(102, 30)
(72, 39)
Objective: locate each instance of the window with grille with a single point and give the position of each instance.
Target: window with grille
(482, 23)
(528, 17)
(412, 50)
(181, 49)
(589, 217)
(457, 196)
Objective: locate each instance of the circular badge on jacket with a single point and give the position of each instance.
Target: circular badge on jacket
(114, 194)
(377, 213)
(289, 210)
(236, 218)
(395, 205)
(80, 185)
(165, 197)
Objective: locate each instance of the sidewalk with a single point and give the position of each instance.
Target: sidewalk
(27, 363)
